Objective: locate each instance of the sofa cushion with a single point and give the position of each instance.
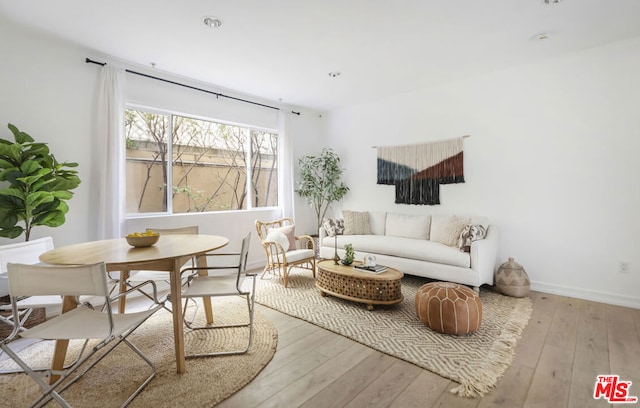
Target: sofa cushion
(469, 234)
(356, 223)
(377, 220)
(408, 226)
(451, 234)
(419, 249)
(333, 226)
(440, 224)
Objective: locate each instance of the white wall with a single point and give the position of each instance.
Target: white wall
(552, 160)
(48, 91)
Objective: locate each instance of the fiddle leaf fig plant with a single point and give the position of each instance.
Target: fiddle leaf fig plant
(319, 181)
(35, 186)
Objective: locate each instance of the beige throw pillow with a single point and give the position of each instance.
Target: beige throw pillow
(356, 223)
(451, 232)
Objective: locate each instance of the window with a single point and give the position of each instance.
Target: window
(212, 166)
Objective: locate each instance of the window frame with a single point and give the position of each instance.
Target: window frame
(249, 192)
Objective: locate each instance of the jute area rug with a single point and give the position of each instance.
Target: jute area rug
(476, 361)
(207, 381)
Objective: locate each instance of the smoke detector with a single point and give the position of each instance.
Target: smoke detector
(213, 22)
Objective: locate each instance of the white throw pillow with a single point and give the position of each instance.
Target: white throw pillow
(278, 237)
(408, 226)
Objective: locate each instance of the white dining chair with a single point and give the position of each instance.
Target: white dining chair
(84, 322)
(26, 252)
(216, 284)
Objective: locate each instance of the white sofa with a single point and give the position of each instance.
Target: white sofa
(412, 244)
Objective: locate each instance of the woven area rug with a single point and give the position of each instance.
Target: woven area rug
(476, 361)
(207, 381)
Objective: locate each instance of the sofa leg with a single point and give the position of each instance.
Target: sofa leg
(476, 289)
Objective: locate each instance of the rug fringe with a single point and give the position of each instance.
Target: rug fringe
(499, 359)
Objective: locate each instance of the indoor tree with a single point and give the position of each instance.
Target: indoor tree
(320, 181)
(35, 186)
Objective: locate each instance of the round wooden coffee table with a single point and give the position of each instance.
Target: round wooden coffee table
(349, 283)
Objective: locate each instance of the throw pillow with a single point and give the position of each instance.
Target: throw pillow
(451, 232)
(279, 238)
(408, 226)
(333, 226)
(289, 233)
(377, 221)
(469, 234)
(356, 223)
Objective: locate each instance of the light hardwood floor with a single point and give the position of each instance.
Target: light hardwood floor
(565, 345)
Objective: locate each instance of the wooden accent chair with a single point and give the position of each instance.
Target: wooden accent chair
(285, 250)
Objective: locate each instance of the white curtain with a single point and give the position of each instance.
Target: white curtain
(286, 165)
(109, 153)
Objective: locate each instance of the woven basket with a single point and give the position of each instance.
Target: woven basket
(512, 280)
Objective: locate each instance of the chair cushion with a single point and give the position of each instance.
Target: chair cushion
(299, 255)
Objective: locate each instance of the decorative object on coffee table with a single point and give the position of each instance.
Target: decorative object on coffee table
(349, 255)
(334, 227)
(347, 282)
(449, 308)
(512, 280)
(336, 257)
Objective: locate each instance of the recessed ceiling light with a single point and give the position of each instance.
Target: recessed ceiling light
(541, 36)
(213, 22)
(551, 2)
(334, 74)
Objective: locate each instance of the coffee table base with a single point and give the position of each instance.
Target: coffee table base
(349, 284)
(370, 303)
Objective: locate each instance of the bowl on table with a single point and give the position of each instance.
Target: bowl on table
(142, 240)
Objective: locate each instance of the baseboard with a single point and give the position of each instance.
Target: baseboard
(595, 296)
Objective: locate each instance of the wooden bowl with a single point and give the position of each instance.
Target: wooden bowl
(142, 241)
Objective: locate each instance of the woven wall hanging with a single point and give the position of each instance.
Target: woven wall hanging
(418, 170)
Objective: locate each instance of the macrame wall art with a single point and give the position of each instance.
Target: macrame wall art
(418, 170)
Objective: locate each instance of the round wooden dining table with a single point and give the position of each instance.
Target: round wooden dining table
(169, 254)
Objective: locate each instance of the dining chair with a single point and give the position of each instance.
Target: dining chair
(24, 252)
(84, 322)
(136, 277)
(284, 250)
(218, 284)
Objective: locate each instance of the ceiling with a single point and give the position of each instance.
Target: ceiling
(285, 49)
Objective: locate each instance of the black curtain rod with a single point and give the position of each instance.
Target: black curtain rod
(217, 94)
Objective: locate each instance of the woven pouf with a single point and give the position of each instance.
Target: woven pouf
(449, 308)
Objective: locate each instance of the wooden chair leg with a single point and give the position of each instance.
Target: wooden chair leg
(285, 274)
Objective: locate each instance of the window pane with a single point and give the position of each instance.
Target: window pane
(264, 169)
(146, 156)
(209, 166)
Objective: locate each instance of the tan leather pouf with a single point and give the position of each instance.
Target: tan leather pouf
(449, 308)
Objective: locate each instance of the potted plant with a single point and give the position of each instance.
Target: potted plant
(349, 255)
(35, 186)
(319, 183)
